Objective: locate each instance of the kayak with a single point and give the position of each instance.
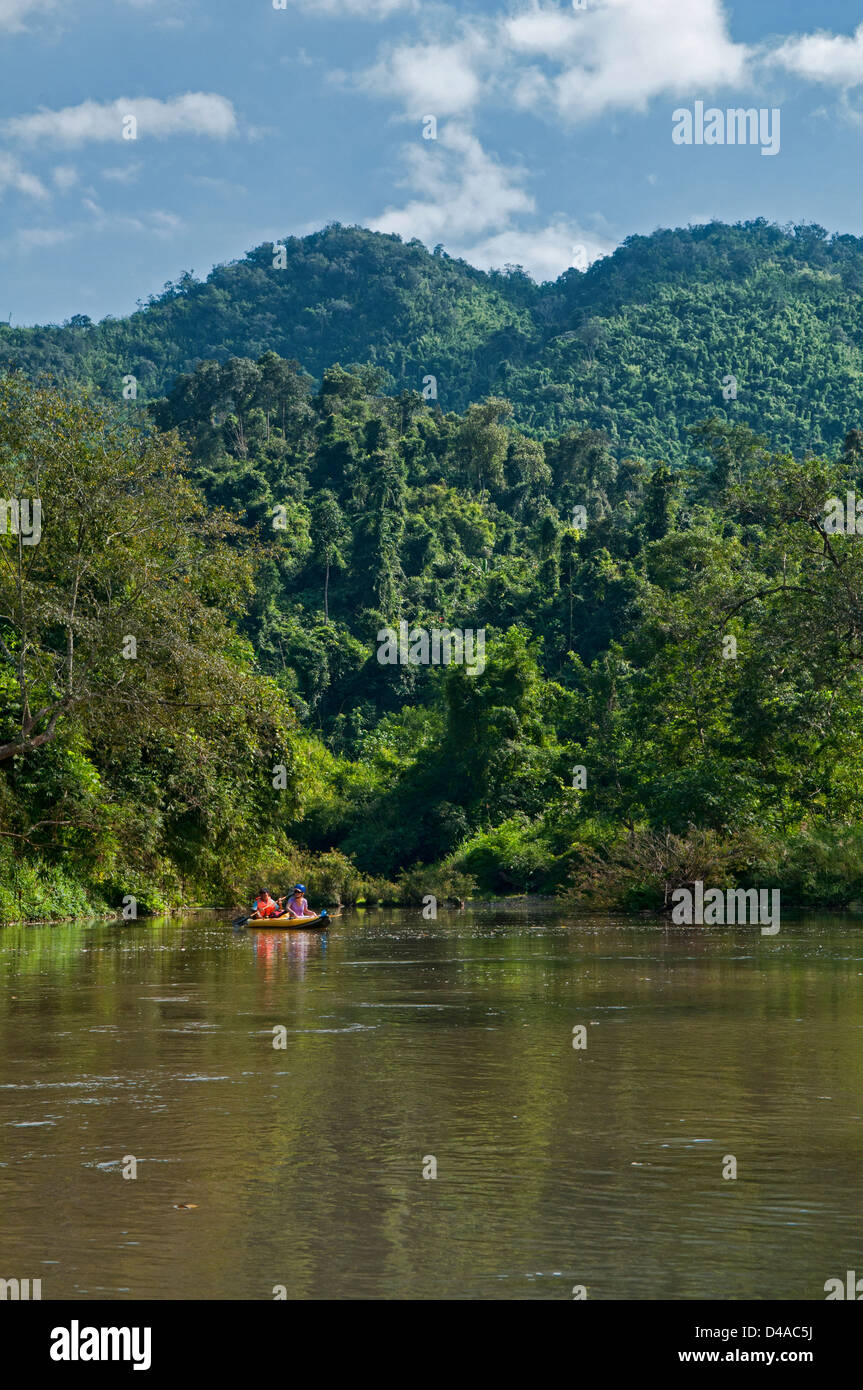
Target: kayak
(320, 919)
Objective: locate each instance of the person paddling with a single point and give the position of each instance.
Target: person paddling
(296, 905)
(296, 908)
(265, 906)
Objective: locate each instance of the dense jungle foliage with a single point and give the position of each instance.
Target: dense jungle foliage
(638, 345)
(672, 681)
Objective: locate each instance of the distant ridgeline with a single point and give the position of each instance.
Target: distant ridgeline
(754, 323)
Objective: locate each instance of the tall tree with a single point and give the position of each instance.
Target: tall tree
(118, 611)
(330, 532)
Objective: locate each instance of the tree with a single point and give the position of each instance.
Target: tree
(569, 542)
(119, 613)
(734, 451)
(594, 334)
(658, 503)
(528, 473)
(852, 450)
(330, 532)
(483, 441)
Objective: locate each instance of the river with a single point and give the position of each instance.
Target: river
(408, 1046)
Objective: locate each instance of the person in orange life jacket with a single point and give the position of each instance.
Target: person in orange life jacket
(265, 906)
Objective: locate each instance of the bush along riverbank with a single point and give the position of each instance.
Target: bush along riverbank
(36, 891)
(610, 870)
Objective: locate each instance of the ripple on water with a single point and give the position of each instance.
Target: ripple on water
(196, 1076)
(351, 1028)
(413, 1006)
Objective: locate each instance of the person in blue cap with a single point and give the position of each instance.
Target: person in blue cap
(296, 905)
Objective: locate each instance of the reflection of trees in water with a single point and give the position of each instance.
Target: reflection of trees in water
(270, 947)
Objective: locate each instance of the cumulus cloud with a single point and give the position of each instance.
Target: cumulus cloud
(830, 58)
(544, 252)
(619, 54)
(543, 30)
(195, 113)
(439, 79)
(569, 64)
(473, 204)
(461, 190)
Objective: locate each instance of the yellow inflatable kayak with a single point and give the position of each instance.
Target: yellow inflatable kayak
(320, 919)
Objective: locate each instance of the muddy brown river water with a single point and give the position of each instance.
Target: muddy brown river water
(406, 1047)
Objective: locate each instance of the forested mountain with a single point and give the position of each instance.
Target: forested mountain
(638, 346)
(192, 696)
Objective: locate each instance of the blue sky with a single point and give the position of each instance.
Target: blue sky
(554, 130)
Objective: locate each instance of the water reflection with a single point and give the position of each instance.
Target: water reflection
(272, 947)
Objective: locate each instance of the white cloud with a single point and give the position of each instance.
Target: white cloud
(25, 240)
(14, 12)
(471, 203)
(158, 223)
(165, 224)
(545, 253)
(619, 54)
(462, 190)
(438, 79)
(195, 113)
(358, 9)
(14, 177)
(570, 64)
(822, 57)
(28, 239)
(123, 173)
(545, 31)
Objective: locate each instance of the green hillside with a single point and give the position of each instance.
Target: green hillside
(637, 346)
